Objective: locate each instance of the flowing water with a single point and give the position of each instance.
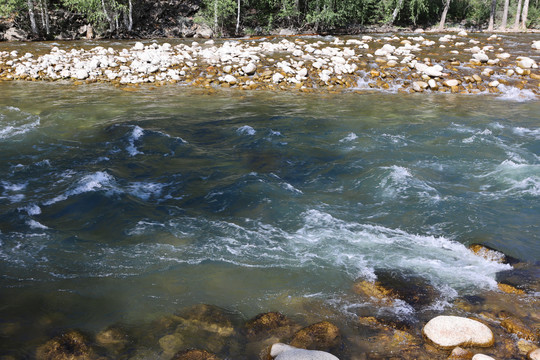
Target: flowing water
(124, 206)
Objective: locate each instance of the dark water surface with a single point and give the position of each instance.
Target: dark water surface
(123, 206)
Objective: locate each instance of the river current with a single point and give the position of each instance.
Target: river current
(123, 206)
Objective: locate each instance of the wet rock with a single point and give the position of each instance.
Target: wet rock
(460, 353)
(494, 83)
(374, 291)
(172, 343)
(534, 354)
(451, 331)
(194, 354)
(69, 346)
(509, 289)
(113, 339)
(286, 352)
(515, 326)
(536, 45)
(525, 346)
(419, 86)
(482, 357)
(414, 290)
(323, 336)
(269, 324)
(488, 253)
(452, 83)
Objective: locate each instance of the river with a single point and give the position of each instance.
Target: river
(120, 207)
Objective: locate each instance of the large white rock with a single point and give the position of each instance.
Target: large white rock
(451, 331)
(526, 63)
(536, 45)
(482, 357)
(534, 355)
(281, 351)
(250, 69)
(81, 74)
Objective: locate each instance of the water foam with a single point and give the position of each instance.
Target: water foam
(511, 93)
(14, 122)
(399, 182)
(350, 137)
(246, 130)
(97, 181)
(136, 134)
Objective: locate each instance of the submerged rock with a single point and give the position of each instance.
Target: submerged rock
(113, 339)
(323, 336)
(69, 346)
(194, 354)
(286, 352)
(269, 324)
(516, 326)
(450, 331)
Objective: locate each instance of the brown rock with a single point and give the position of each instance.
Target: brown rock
(509, 289)
(515, 326)
(194, 354)
(113, 338)
(69, 346)
(374, 291)
(460, 354)
(487, 253)
(269, 324)
(323, 336)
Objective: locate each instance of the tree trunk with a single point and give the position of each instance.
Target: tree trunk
(33, 24)
(492, 15)
(443, 16)
(47, 22)
(396, 12)
(524, 15)
(238, 18)
(505, 15)
(215, 16)
(130, 16)
(107, 16)
(518, 13)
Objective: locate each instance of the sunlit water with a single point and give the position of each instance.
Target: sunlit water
(123, 206)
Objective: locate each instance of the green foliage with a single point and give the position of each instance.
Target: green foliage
(11, 7)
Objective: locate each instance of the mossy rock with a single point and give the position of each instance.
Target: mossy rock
(69, 346)
(270, 324)
(194, 354)
(323, 336)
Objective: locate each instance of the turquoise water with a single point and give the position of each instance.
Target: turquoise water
(123, 206)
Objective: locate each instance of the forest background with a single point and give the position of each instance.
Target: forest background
(67, 19)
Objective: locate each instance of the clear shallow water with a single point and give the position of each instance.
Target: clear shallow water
(122, 206)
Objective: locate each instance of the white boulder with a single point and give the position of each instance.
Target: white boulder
(526, 63)
(281, 351)
(482, 357)
(536, 44)
(229, 79)
(534, 355)
(451, 331)
(250, 69)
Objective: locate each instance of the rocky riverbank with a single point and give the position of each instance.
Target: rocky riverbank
(499, 324)
(409, 62)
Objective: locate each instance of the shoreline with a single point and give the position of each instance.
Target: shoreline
(406, 63)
